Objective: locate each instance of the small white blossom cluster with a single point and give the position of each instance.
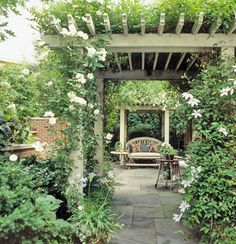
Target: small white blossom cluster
(194, 175)
(5, 85)
(38, 146)
(228, 90)
(75, 99)
(12, 106)
(96, 112)
(108, 137)
(13, 157)
(43, 55)
(223, 131)
(25, 72)
(101, 54)
(80, 78)
(52, 120)
(183, 207)
(73, 33)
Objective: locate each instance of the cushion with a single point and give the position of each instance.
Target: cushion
(140, 155)
(136, 147)
(153, 147)
(144, 147)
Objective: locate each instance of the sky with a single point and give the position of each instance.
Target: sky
(20, 48)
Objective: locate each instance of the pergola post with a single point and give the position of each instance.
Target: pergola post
(98, 126)
(166, 126)
(123, 126)
(162, 126)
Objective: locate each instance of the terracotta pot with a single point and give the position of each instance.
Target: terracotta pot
(93, 240)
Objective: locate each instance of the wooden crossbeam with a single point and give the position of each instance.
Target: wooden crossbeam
(106, 21)
(90, 24)
(198, 23)
(167, 61)
(55, 23)
(161, 24)
(130, 61)
(142, 20)
(71, 24)
(117, 61)
(125, 24)
(192, 62)
(233, 25)
(155, 61)
(215, 26)
(180, 24)
(180, 61)
(143, 61)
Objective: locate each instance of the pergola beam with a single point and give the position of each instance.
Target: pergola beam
(155, 61)
(180, 61)
(161, 24)
(106, 21)
(141, 75)
(167, 61)
(198, 23)
(90, 24)
(215, 26)
(233, 25)
(180, 24)
(125, 24)
(142, 20)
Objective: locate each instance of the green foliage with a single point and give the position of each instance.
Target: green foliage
(27, 215)
(210, 181)
(167, 149)
(140, 130)
(5, 132)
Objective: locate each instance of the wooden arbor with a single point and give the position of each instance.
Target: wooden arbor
(173, 53)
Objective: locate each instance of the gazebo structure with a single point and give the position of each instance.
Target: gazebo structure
(150, 56)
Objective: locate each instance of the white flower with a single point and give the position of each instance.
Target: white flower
(43, 55)
(25, 72)
(49, 114)
(38, 146)
(100, 1)
(65, 32)
(91, 51)
(90, 76)
(109, 136)
(186, 183)
(71, 107)
(91, 176)
(85, 65)
(99, 13)
(193, 102)
(81, 101)
(196, 113)
(177, 217)
(223, 130)
(84, 182)
(109, 7)
(52, 121)
(225, 91)
(187, 95)
(181, 191)
(96, 111)
(82, 35)
(80, 78)
(5, 84)
(102, 53)
(50, 83)
(90, 105)
(183, 164)
(80, 208)
(41, 43)
(183, 206)
(13, 157)
(12, 106)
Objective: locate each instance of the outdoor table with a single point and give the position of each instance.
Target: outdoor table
(174, 170)
(121, 154)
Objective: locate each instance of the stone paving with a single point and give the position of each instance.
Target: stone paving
(145, 211)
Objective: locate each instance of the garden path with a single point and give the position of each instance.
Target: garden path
(147, 212)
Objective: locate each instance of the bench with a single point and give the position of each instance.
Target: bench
(143, 148)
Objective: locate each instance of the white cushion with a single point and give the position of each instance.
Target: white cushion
(145, 155)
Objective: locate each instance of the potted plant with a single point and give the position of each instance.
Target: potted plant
(119, 147)
(167, 151)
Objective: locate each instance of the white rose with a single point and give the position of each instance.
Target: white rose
(12, 106)
(96, 112)
(80, 78)
(91, 51)
(71, 107)
(90, 105)
(43, 55)
(13, 157)
(65, 32)
(49, 114)
(90, 76)
(52, 121)
(50, 83)
(109, 136)
(80, 100)
(38, 146)
(99, 13)
(25, 72)
(82, 35)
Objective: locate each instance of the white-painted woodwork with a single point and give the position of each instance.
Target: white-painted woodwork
(198, 23)
(90, 24)
(166, 126)
(191, 62)
(117, 61)
(125, 24)
(55, 23)
(106, 21)
(161, 24)
(71, 24)
(155, 61)
(180, 24)
(180, 61)
(143, 61)
(167, 61)
(130, 61)
(215, 26)
(142, 20)
(233, 25)
(123, 127)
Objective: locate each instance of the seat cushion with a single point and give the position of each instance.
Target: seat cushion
(145, 155)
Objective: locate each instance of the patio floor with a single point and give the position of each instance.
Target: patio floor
(147, 212)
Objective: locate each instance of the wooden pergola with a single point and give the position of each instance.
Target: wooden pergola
(173, 53)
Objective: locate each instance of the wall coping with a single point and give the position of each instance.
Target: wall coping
(15, 147)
